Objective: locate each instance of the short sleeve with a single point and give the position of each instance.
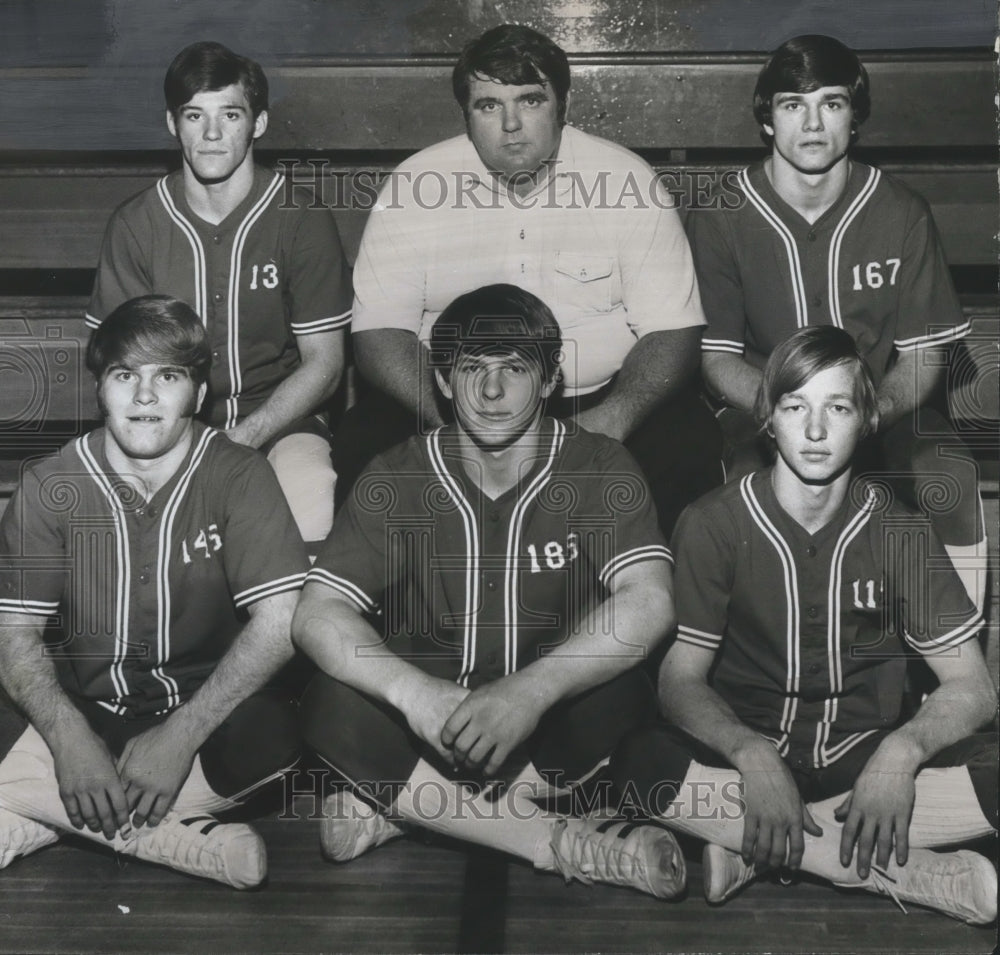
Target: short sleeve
(703, 546)
(935, 610)
(319, 286)
(389, 276)
(719, 279)
(122, 273)
(929, 311)
(659, 289)
(264, 554)
(616, 515)
(32, 551)
(354, 559)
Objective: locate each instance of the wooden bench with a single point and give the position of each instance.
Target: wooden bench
(79, 140)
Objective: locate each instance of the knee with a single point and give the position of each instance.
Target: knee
(364, 739)
(304, 471)
(261, 737)
(648, 767)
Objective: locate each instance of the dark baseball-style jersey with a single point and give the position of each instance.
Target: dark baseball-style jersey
(871, 264)
(272, 270)
(146, 596)
(810, 630)
(469, 588)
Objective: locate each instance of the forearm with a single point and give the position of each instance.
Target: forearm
(343, 645)
(29, 677)
(909, 384)
(262, 647)
(614, 637)
(731, 379)
(693, 706)
(659, 365)
(395, 362)
(300, 394)
(955, 710)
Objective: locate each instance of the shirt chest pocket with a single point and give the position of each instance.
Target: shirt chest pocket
(584, 282)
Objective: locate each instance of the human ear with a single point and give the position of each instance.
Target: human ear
(260, 124)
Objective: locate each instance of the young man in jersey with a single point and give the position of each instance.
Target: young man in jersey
(798, 597)
(267, 275)
(820, 238)
(580, 222)
(148, 575)
(520, 578)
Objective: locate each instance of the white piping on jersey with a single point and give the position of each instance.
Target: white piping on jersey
(722, 344)
(792, 659)
(700, 638)
(470, 617)
(163, 595)
(848, 534)
(322, 324)
(123, 582)
(197, 250)
(830, 754)
(937, 338)
(946, 641)
(792, 250)
(635, 556)
(235, 261)
(351, 591)
(32, 607)
(270, 589)
(512, 569)
(821, 752)
(791, 247)
(833, 257)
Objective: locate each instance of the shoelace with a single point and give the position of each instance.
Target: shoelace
(589, 850)
(195, 853)
(885, 882)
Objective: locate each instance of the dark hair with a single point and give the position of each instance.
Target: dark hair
(806, 63)
(516, 56)
(808, 352)
(151, 330)
(497, 319)
(211, 66)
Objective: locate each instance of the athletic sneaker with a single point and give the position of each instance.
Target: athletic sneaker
(724, 873)
(643, 857)
(961, 884)
(351, 827)
(232, 853)
(20, 836)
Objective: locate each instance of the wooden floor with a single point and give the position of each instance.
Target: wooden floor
(410, 896)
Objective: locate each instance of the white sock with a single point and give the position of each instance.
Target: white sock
(196, 795)
(709, 805)
(946, 809)
(970, 562)
(511, 823)
(28, 787)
